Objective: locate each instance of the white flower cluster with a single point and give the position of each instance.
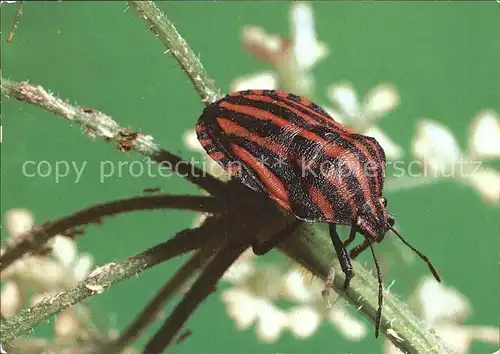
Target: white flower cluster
(304, 51)
(434, 145)
(32, 278)
(41, 275)
(255, 290)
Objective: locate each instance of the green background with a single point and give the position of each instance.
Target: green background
(442, 57)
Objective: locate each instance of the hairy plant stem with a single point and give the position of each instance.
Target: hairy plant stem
(311, 247)
(96, 282)
(163, 28)
(15, 22)
(99, 124)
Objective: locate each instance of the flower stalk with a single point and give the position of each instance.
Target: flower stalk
(176, 45)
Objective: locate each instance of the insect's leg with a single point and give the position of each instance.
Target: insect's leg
(352, 236)
(345, 262)
(358, 249)
(261, 248)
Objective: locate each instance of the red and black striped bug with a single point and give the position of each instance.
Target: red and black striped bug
(292, 150)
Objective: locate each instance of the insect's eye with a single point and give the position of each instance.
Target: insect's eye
(391, 220)
(384, 202)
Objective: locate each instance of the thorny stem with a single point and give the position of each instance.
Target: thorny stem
(311, 250)
(35, 239)
(96, 123)
(163, 28)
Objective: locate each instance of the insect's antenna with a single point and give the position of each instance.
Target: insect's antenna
(378, 318)
(420, 254)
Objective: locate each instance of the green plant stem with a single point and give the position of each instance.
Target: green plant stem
(15, 22)
(311, 248)
(177, 46)
(98, 281)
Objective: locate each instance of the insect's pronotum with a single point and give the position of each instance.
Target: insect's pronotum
(290, 149)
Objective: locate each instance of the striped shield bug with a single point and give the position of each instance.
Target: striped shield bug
(293, 151)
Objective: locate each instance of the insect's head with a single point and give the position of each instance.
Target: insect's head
(374, 220)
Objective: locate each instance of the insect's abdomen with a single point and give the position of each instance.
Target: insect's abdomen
(290, 149)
